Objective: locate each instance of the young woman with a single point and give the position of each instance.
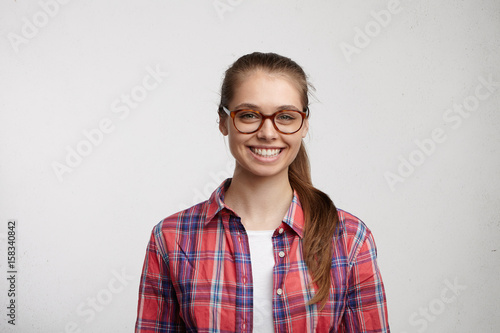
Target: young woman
(267, 252)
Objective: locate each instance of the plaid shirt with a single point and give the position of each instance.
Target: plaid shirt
(197, 276)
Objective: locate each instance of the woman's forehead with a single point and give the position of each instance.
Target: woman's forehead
(262, 89)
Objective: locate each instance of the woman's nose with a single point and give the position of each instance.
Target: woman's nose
(267, 131)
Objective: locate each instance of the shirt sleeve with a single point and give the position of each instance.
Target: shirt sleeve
(158, 308)
(366, 306)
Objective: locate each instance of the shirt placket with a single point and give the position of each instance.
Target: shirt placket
(244, 290)
(279, 272)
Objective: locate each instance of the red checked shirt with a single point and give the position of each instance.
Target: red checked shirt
(197, 276)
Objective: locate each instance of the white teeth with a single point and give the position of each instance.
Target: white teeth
(266, 152)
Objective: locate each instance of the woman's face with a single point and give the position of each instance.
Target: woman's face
(266, 152)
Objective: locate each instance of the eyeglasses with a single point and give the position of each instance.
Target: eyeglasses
(284, 121)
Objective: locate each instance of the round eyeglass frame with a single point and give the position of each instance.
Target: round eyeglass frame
(232, 114)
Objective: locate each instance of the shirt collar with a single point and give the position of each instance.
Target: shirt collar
(294, 217)
(216, 201)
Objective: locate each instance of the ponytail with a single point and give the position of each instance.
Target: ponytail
(321, 220)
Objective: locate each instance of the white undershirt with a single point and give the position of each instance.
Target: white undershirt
(261, 254)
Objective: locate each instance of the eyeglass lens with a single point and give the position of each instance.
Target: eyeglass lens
(285, 121)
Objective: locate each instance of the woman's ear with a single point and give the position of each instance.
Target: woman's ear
(223, 125)
(305, 127)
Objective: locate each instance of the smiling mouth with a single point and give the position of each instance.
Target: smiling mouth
(266, 152)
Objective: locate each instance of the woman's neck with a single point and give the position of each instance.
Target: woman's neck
(261, 202)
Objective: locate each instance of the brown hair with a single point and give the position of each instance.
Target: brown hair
(321, 218)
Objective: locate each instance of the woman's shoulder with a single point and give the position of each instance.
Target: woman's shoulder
(184, 220)
(352, 231)
(194, 218)
(351, 224)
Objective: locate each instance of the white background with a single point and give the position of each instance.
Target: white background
(437, 228)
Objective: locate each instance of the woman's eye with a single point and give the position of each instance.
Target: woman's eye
(248, 115)
(286, 116)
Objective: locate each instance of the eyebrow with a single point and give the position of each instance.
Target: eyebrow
(257, 108)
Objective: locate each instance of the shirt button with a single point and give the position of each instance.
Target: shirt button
(244, 280)
(281, 230)
(279, 291)
(244, 326)
(281, 254)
